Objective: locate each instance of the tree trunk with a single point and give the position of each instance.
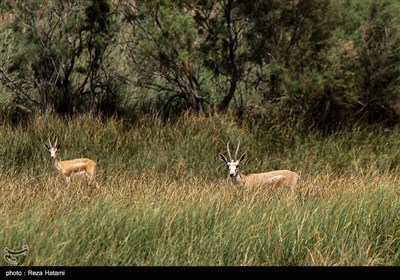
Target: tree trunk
(234, 68)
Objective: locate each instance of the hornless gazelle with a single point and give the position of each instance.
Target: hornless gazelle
(283, 178)
(70, 168)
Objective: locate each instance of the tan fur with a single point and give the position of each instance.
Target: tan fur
(75, 167)
(277, 178)
(284, 178)
(71, 167)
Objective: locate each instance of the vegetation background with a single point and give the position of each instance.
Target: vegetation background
(153, 90)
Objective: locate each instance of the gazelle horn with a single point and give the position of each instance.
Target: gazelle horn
(237, 149)
(227, 149)
(55, 141)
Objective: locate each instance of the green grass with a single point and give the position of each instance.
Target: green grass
(162, 196)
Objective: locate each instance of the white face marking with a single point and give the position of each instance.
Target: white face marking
(233, 165)
(53, 152)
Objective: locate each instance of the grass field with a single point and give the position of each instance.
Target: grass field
(162, 196)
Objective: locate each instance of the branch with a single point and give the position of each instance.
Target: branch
(16, 87)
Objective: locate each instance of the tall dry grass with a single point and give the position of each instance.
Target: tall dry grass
(162, 197)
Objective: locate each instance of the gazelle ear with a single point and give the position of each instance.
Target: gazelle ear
(46, 146)
(223, 158)
(243, 157)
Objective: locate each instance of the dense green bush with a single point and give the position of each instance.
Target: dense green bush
(316, 63)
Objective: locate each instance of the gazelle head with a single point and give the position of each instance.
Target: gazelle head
(52, 148)
(233, 164)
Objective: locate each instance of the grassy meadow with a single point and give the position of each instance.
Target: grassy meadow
(163, 197)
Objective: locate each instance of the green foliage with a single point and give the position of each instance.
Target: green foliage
(62, 52)
(380, 60)
(318, 63)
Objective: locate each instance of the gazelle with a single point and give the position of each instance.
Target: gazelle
(70, 168)
(284, 178)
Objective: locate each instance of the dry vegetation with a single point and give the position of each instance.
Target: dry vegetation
(162, 197)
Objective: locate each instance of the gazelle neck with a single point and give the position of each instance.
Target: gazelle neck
(238, 178)
(54, 162)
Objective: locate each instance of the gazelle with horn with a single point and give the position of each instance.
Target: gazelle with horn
(284, 178)
(70, 168)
